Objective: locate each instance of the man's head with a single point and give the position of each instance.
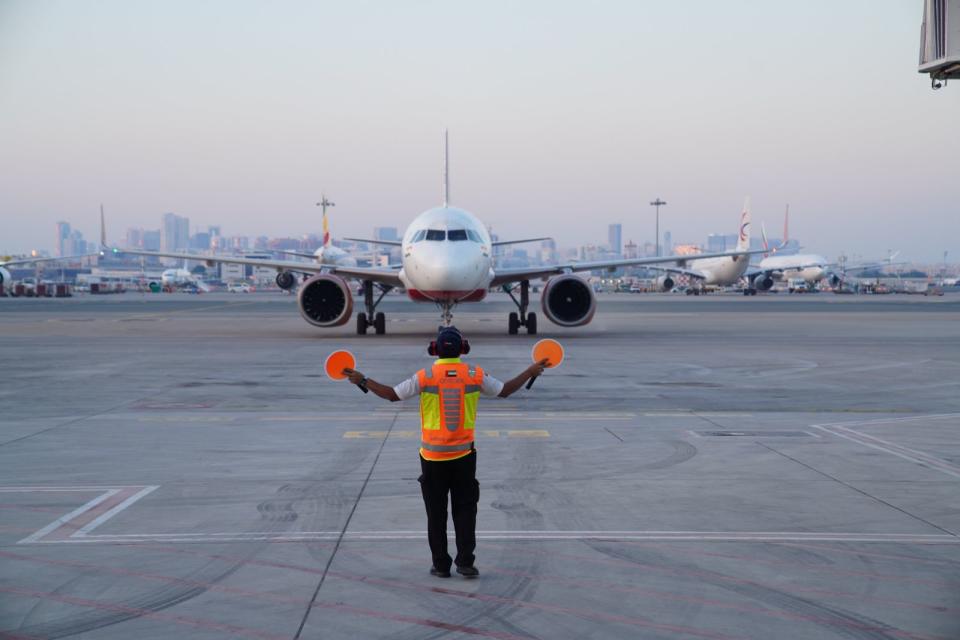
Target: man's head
(450, 343)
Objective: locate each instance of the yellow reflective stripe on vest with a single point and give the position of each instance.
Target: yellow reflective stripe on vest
(430, 410)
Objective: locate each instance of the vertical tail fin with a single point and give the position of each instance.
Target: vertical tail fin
(446, 168)
(323, 204)
(786, 226)
(743, 242)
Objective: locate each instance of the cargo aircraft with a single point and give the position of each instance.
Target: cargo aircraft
(446, 259)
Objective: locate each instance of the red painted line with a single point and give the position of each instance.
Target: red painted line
(31, 508)
(144, 613)
(70, 527)
(261, 596)
(872, 554)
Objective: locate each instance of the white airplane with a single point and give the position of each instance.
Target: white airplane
(447, 259)
(714, 272)
(811, 267)
(327, 254)
(181, 278)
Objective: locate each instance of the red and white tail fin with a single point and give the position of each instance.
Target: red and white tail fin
(743, 241)
(323, 204)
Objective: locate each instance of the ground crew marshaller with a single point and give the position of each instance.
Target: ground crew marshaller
(449, 391)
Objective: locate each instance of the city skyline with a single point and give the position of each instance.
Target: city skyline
(557, 113)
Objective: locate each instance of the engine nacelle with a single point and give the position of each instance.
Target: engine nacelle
(325, 301)
(762, 282)
(568, 301)
(665, 283)
(286, 280)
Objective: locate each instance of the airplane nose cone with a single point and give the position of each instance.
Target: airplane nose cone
(449, 267)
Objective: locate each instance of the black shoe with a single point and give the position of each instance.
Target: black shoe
(440, 573)
(468, 572)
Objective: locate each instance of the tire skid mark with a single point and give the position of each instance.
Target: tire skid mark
(131, 612)
(846, 622)
(263, 596)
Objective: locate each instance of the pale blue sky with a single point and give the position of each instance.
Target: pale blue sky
(564, 116)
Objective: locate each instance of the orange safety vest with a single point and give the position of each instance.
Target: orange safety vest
(449, 391)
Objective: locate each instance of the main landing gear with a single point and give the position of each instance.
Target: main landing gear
(372, 317)
(521, 318)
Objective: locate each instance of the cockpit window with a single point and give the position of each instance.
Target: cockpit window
(436, 234)
(473, 235)
(418, 236)
(456, 234)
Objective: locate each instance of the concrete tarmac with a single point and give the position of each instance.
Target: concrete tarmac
(720, 467)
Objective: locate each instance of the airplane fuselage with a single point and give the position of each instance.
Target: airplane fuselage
(446, 257)
(808, 266)
(721, 272)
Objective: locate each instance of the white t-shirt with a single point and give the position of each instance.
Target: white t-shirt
(411, 387)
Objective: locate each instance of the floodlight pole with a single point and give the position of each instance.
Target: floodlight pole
(658, 203)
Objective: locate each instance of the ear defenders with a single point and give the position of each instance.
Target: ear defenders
(433, 349)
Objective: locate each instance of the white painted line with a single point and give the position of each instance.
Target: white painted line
(96, 522)
(691, 536)
(860, 423)
(59, 522)
(917, 457)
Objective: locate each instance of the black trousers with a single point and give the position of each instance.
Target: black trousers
(459, 479)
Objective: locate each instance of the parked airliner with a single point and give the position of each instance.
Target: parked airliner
(713, 272)
(447, 259)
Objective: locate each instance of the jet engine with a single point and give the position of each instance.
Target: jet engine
(762, 282)
(665, 283)
(286, 280)
(568, 301)
(834, 280)
(325, 301)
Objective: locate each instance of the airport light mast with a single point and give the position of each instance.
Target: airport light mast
(658, 203)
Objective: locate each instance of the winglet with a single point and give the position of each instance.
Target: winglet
(763, 234)
(786, 226)
(446, 168)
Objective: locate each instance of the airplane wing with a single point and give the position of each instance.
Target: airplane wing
(505, 276)
(500, 243)
(680, 270)
(389, 243)
(11, 263)
(386, 276)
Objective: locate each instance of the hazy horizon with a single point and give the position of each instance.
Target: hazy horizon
(241, 114)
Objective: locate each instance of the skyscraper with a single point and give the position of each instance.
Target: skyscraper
(63, 237)
(614, 238)
(388, 234)
(174, 232)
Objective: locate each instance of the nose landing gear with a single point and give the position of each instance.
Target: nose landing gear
(372, 317)
(521, 318)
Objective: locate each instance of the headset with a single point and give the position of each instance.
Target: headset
(433, 349)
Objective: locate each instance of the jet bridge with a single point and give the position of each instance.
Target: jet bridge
(940, 41)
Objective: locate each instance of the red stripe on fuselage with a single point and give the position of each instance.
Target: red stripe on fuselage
(447, 296)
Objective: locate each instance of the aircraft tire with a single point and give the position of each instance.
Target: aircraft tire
(532, 323)
(380, 323)
(362, 324)
(513, 323)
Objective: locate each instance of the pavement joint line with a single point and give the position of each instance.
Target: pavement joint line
(860, 423)
(860, 491)
(343, 531)
(905, 453)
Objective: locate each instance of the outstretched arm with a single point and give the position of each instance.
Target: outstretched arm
(382, 390)
(533, 371)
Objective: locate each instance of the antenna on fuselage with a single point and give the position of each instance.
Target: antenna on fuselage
(446, 168)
